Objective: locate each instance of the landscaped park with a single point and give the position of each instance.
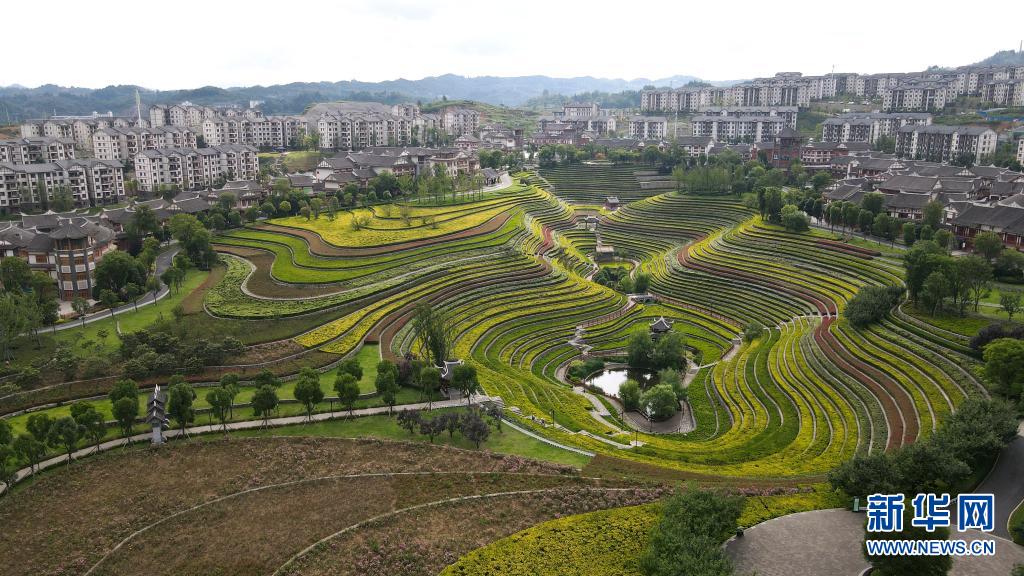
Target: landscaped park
(409, 388)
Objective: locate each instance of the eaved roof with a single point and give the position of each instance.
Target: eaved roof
(69, 231)
(661, 325)
(992, 217)
(919, 184)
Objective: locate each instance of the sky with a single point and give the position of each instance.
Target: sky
(188, 43)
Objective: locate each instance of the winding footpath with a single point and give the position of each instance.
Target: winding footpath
(284, 421)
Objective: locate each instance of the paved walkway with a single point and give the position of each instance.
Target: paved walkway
(828, 543)
(1006, 481)
(163, 261)
(256, 424)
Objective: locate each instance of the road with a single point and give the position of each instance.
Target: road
(163, 261)
(1006, 482)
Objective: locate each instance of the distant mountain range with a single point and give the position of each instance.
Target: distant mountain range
(18, 102)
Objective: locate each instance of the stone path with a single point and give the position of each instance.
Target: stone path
(272, 422)
(828, 543)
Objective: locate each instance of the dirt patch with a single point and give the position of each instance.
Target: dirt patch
(96, 503)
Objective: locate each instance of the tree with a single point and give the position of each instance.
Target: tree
(125, 412)
(977, 274)
(92, 422)
(13, 322)
(387, 386)
(934, 292)
(474, 428)
(1009, 301)
(430, 380)
(464, 380)
(672, 378)
(687, 541)
(179, 404)
(932, 214)
(65, 432)
(752, 331)
(194, 239)
(308, 390)
(909, 233)
(659, 402)
(434, 333)
(669, 352)
(266, 378)
(629, 393)
(264, 402)
(109, 299)
(347, 387)
(873, 202)
(38, 425)
(639, 350)
(29, 449)
(871, 304)
(229, 383)
(773, 204)
(820, 181)
(867, 474)
(1004, 366)
(117, 270)
(988, 244)
(410, 420)
(793, 220)
(15, 273)
(220, 402)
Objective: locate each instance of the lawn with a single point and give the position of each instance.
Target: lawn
(968, 325)
(84, 340)
(508, 441)
(368, 357)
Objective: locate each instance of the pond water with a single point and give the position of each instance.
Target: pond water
(610, 380)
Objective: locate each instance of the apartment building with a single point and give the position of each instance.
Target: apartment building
(191, 115)
(870, 126)
(78, 128)
(125, 143)
(1020, 151)
(90, 182)
(938, 143)
(738, 128)
(36, 149)
(787, 113)
(194, 168)
(684, 99)
(646, 127)
(262, 132)
(458, 121)
(918, 96)
(1004, 93)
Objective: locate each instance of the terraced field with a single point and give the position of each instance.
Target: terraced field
(809, 393)
(511, 273)
(591, 184)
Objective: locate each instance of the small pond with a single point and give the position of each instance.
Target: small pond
(610, 380)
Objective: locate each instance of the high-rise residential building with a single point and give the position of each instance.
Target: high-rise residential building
(194, 168)
(36, 149)
(939, 143)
